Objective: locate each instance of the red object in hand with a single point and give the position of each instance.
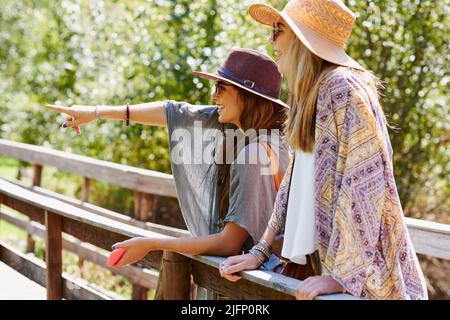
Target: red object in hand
(115, 256)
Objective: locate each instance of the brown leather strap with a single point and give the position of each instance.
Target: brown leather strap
(299, 271)
(273, 164)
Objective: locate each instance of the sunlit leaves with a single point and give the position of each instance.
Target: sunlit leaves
(111, 52)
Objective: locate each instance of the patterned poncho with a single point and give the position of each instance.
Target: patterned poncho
(362, 237)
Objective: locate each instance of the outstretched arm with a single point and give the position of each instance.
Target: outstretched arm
(227, 242)
(151, 113)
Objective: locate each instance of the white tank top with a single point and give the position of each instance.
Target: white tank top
(300, 236)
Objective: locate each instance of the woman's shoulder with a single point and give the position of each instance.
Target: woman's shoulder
(338, 77)
(342, 83)
(184, 114)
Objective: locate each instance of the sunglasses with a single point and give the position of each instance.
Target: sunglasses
(219, 85)
(276, 29)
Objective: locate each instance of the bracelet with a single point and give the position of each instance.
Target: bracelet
(257, 255)
(265, 244)
(128, 114)
(262, 250)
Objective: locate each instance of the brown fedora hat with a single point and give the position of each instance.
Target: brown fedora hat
(250, 70)
(323, 26)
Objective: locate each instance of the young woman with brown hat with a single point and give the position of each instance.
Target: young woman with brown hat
(337, 206)
(226, 204)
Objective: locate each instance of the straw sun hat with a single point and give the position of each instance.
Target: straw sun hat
(323, 26)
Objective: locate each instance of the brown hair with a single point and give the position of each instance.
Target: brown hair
(257, 113)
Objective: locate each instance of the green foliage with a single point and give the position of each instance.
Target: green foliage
(8, 167)
(110, 52)
(406, 44)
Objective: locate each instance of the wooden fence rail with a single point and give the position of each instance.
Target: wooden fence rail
(103, 232)
(147, 185)
(35, 269)
(429, 238)
(143, 277)
(140, 180)
(54, 214)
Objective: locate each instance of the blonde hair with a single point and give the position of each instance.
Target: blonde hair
(304, 72)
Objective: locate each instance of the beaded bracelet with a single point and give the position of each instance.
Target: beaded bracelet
(265, 244)
(265, 253)
(262, 250)
(257, 255)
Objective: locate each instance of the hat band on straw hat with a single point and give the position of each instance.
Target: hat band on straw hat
(323, 17)
(323, 26)
(227, 73)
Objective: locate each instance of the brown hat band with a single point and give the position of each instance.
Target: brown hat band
(227, 73)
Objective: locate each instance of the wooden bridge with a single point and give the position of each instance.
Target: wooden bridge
(89, 231)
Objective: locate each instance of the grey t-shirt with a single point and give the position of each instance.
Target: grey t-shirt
(195, 133)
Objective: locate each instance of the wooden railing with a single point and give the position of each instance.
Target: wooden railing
(62, 218)
(78, 226)
(141, 280)
(147, 186)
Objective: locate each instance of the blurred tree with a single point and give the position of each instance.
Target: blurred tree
(406, 44)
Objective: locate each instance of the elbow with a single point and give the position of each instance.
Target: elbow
(232, 248)
(197, 252)
(232, 240)
(222, 244)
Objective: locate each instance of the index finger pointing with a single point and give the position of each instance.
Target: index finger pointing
(65, 110)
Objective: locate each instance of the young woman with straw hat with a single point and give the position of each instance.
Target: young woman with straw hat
(337, 206)
(226, 203)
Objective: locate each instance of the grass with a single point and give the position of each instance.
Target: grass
(8, 167)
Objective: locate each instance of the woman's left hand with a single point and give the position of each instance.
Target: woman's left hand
(317, 285)
(136, 249)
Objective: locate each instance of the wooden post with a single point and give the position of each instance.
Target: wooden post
(31, 244)
(86, 189)
(137, 204)
(174, 281)
(139, 292)
(37, 179)
(147, 207)
(144, 206)
(53, 225)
